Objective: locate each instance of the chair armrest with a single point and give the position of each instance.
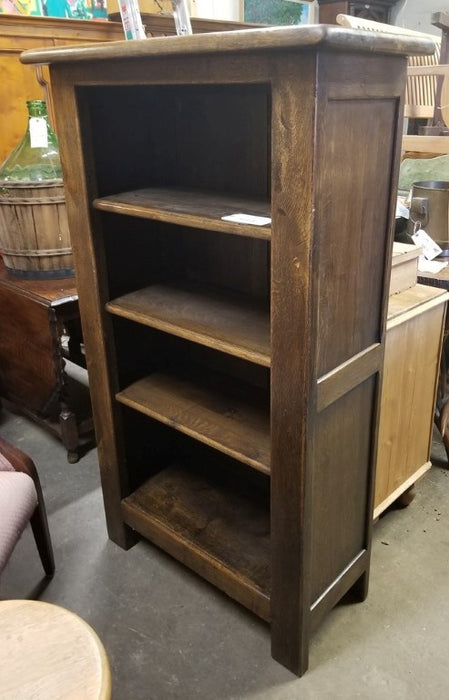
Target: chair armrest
(440, 69)
(20, 461)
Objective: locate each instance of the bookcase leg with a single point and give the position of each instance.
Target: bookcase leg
(290, 645)
(122, 535)
(295, 660)
(360, 588)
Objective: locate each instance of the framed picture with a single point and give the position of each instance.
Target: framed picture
(279, 11)
(75, 9)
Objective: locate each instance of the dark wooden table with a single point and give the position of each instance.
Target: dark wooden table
(441, 279)
(39, 329)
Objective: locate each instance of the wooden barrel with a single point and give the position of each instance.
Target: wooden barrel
(34, 231)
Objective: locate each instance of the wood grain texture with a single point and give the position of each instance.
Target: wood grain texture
(190, 208)
(92, 289)
(348, 375)
(35, 315)
(293, 257)
(342, 481)
(29, 374)
(220, 531)
(34, 228)
(245, 40)
(50, 292)
(412, 358)
(346, 329)
(52, 653)
(404, 267)
(239, 429)
(411, 300)
(228, 324)
(363, 220)
(425, 144)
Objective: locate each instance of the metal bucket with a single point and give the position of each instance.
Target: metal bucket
(429, 210)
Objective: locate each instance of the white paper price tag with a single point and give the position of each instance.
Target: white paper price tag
(433, 266)
(248, 219)
(402, 211)
(430, 249)
(38, 132)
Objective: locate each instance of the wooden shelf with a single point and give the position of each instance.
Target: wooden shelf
(230, 324)
(188, 207)
(219, 531)
(236, 428)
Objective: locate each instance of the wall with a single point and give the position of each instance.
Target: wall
(217, 9)
(416, 14)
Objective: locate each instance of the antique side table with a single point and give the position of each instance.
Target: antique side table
(39, 329)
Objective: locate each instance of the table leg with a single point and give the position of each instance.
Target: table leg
(442, 403)
(69, 433)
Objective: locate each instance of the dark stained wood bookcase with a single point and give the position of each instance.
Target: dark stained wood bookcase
(235, 368)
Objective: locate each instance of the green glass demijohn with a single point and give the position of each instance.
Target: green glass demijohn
(36, 157)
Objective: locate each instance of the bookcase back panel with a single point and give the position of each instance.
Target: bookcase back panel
(140, 252)
(142, 350)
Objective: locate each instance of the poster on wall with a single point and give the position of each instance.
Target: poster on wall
(278, 11)
(75, 9)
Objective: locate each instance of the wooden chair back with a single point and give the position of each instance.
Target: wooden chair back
(421, 87)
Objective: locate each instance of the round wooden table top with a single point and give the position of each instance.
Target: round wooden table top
(49, 653)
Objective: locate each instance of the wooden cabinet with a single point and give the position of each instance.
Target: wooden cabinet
(39, 328)
(412, 357)
(20, 83)
(234, 369)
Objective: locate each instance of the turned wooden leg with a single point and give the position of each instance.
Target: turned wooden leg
(69, 433)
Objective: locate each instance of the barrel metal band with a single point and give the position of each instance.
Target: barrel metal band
(39, 253)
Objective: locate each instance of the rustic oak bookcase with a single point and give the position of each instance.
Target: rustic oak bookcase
(235, 367)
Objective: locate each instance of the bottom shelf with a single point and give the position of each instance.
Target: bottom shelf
(215, 528)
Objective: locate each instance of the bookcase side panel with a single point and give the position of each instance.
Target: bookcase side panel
(356, 181)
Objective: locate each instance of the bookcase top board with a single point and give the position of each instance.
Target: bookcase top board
(245, 40)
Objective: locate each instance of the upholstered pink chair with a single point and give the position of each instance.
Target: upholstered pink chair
(21, 501)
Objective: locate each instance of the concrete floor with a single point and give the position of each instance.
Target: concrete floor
(171, 635)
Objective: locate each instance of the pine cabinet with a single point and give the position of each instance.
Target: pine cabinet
(415, 327)
(20, 83)
(234, 363)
